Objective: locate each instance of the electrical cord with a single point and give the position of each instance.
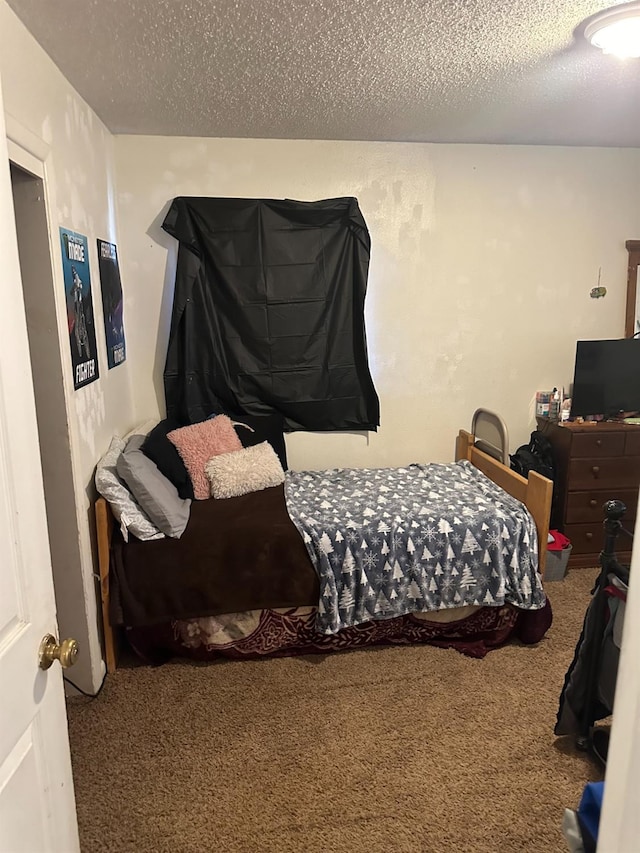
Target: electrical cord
(84, 692)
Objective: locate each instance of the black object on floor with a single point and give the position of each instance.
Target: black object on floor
(600, 742)
(589, 686)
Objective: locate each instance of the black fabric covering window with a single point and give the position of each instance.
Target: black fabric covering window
(268, 312)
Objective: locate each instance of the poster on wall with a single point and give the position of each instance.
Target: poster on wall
(112, 308)
(80, 319)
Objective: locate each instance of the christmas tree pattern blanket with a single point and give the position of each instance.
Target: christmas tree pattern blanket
(391, 541)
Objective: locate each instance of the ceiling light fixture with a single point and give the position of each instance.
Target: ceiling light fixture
(616, 30)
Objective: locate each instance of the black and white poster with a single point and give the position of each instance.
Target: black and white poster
(80, 318)
(112, 306)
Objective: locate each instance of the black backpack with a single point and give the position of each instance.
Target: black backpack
(535, 456)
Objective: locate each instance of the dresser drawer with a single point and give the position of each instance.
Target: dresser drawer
(606, 473)
(589, 538)
(598, 444)
(632, 443)
(585, 538)
(586, 507)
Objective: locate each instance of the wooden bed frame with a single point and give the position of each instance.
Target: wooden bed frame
(535, 493)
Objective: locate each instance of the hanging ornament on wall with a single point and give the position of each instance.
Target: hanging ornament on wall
(599, 291)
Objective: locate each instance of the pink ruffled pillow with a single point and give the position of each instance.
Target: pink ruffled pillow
(197, 443)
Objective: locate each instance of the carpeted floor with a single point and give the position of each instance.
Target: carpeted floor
(393, 749)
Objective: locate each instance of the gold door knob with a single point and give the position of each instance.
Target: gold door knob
(66, 652)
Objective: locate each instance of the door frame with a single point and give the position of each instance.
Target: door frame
(35, 746)
(32, 154)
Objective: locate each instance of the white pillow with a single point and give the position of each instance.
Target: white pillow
(243, 471)
(122, 503)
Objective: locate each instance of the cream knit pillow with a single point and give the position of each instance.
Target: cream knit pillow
(243, 471)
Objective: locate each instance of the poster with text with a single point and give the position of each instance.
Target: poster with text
(111, 287)
(80, 318)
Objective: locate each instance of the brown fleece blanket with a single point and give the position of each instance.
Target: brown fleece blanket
(236, 554)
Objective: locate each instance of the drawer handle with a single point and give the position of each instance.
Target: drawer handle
(598, 442)
(596, 470)
(593, 503)
(589, 535)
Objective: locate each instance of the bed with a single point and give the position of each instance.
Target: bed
(244, 581)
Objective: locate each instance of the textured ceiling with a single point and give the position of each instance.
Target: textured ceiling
(408, 70)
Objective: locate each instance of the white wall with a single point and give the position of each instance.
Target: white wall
(482, 261)
(47, 113)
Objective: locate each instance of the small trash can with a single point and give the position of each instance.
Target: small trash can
(558, 553)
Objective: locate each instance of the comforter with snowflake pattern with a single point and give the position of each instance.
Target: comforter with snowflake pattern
(391, 541)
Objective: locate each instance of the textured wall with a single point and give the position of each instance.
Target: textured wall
(80, 192)
(490, 71)
(482, 262)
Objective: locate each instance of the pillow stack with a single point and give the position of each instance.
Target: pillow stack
(217, 463)
(151, 476)
(143, 500)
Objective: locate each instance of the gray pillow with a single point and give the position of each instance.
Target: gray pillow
(157, 496)
(127, 512)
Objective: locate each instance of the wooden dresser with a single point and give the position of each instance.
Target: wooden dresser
(595, 462)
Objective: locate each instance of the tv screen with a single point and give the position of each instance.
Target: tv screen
(607, 378)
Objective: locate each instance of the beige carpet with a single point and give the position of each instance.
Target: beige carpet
(391, 749)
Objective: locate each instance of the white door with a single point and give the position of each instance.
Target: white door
(37, 808)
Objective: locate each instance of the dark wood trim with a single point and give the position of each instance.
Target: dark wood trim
(633, 247)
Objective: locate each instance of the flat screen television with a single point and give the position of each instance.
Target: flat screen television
(606, 378)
